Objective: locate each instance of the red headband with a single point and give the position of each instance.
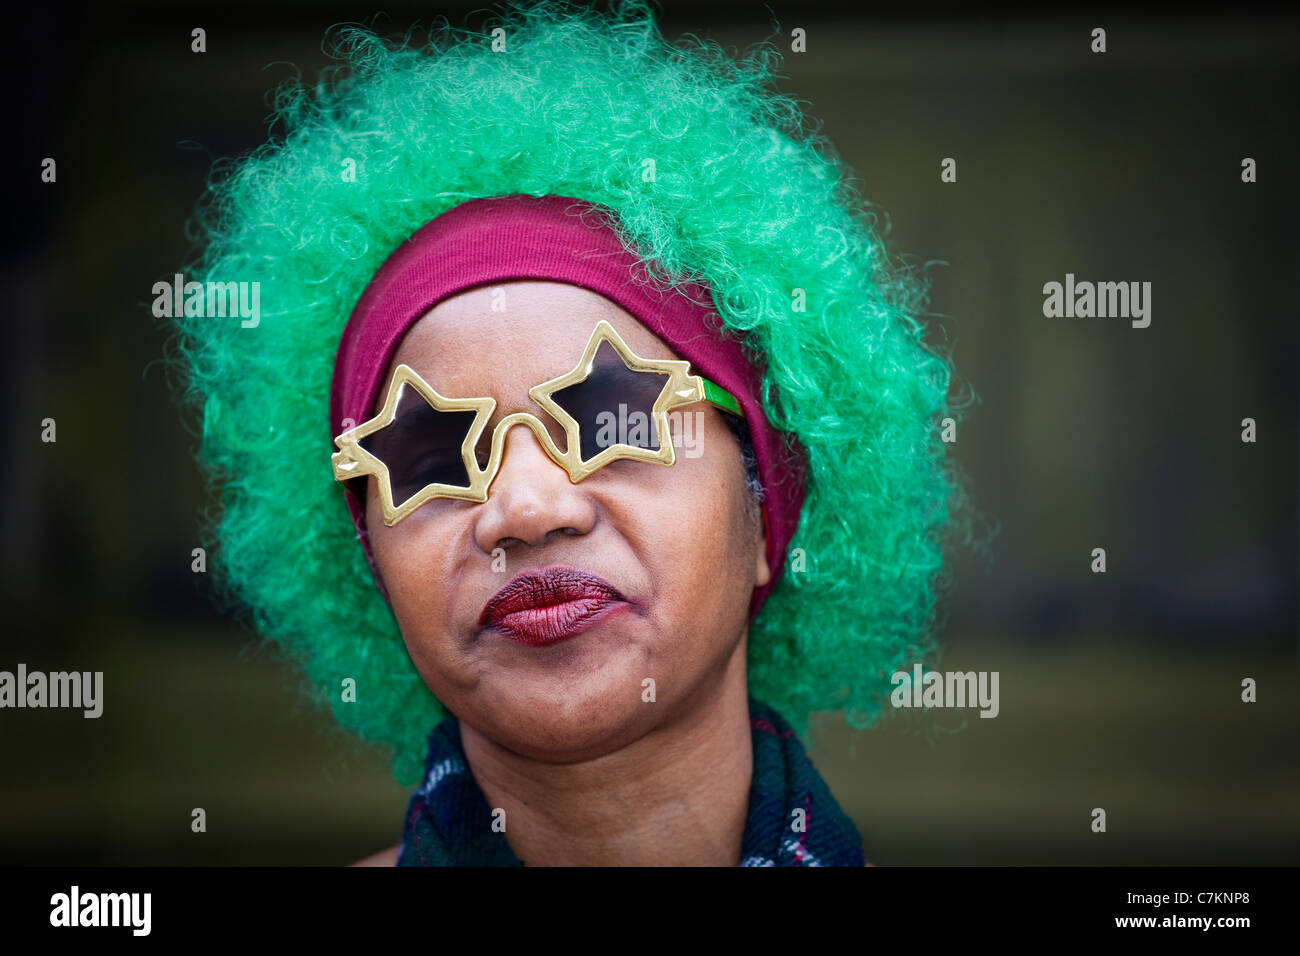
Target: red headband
(503, 238)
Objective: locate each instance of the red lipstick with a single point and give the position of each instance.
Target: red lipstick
(541, 608)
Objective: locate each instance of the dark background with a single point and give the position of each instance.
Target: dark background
(1119, 690)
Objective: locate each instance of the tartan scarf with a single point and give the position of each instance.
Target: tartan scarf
(449, 822)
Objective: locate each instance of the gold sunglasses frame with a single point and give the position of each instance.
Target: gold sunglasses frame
(682, 388)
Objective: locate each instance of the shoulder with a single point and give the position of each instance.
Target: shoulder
(382, 858)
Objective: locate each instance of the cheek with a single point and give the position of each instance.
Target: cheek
(692, 532)
(415, 560)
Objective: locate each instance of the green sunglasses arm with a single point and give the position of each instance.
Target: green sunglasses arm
(721, 397)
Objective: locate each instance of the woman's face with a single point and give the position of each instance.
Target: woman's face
(680, 545)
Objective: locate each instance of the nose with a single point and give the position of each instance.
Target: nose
(531, 501)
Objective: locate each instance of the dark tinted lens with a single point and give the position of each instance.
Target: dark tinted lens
(421, 446)
(613, 405)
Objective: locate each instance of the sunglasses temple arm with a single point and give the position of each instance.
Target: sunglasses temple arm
(720, 397)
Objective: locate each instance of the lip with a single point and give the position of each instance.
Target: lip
(541, 608)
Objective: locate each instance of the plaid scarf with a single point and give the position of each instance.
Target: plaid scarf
(449, 822)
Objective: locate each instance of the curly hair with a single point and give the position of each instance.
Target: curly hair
(745, 196)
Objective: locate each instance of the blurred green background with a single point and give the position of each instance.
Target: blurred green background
(1119, 690)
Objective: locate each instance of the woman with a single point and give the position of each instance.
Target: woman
(726, 503)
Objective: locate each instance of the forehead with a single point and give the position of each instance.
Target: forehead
(502, 339)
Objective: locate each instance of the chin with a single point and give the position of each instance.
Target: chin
(565, 721)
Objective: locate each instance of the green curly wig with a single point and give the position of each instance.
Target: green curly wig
(743, 197)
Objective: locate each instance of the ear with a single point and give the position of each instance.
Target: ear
(762, 573)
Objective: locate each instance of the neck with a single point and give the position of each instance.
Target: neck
(677, 796)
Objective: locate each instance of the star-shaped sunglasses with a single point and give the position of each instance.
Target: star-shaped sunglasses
(614, 404)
